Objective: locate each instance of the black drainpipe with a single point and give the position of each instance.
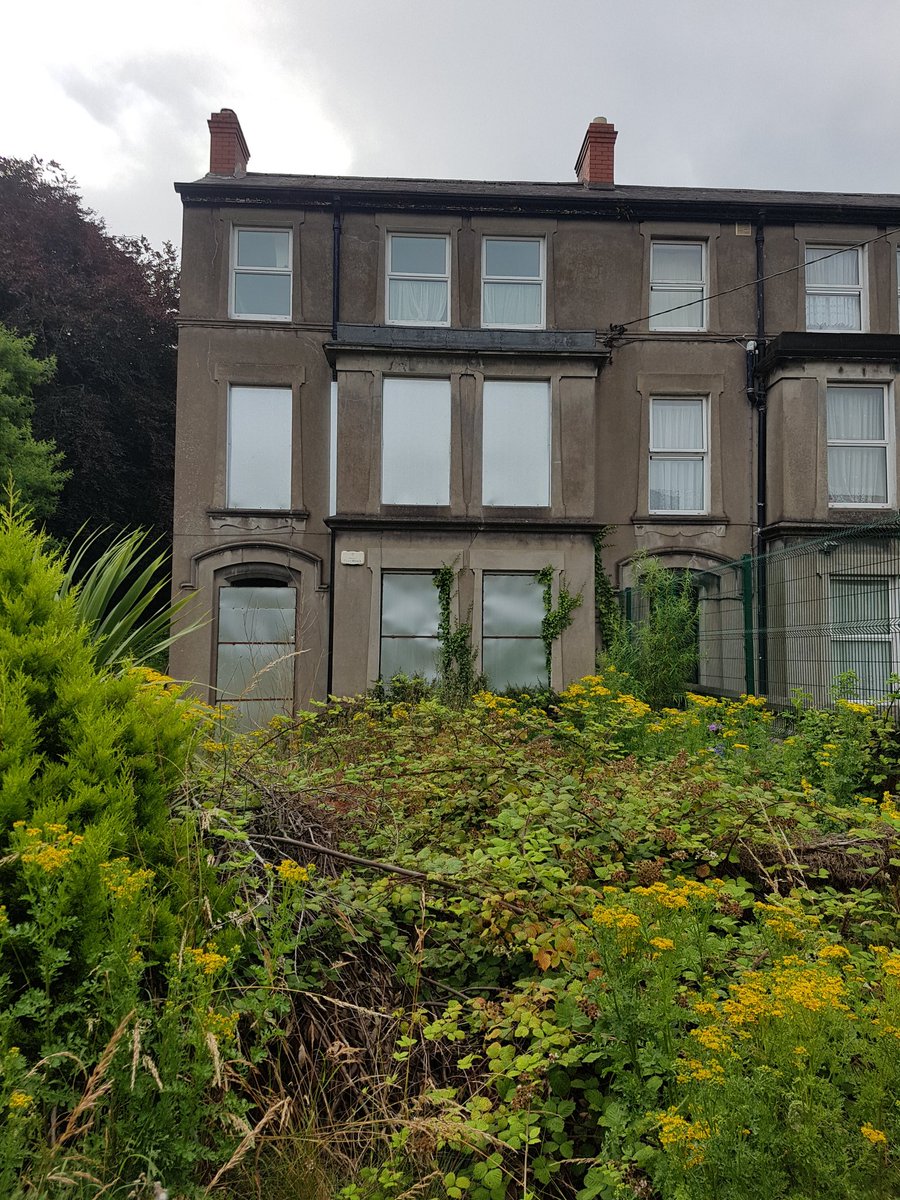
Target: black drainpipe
(759, 400)
(335, 317)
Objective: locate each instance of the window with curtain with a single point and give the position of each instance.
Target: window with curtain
(512, 283)
(864, 630)
(256, 650)
(259, 447)
(678, 455)
(857, 446)
(512, 650)
(834, 295)
(409, 625)
(415, 441)
(418, 279)
(516, 442)
(261, 274)
(678, 285)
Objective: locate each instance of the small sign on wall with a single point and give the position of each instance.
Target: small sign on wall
(353, 558)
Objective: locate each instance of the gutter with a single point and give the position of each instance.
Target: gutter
(335, 318)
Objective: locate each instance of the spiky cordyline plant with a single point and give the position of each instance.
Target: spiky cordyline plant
(117, 596)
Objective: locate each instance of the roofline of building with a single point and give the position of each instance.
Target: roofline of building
(559, 200)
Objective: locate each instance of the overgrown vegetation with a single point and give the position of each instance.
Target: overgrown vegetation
(577, 949)
(659, 648)
(557, 617)
(457, 676)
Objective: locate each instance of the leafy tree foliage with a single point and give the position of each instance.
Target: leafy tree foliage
(104, 307)
(33, 465)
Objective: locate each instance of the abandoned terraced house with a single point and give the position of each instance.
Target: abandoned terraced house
(379, 378)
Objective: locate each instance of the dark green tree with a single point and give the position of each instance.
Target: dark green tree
(33, 466)
(104, 308)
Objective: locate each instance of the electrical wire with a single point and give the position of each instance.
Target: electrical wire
(620, 328)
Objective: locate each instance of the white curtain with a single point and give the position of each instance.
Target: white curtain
(841, 269)
(511, 304)
(855, 414)
(856, 474)
(677, 425)
(664, 298)
(418, 301)
(834, 312)
(676, 485)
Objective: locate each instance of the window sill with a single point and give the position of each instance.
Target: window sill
(679, 519)
(249, 519)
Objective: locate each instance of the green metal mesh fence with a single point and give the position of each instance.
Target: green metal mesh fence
(816, 615)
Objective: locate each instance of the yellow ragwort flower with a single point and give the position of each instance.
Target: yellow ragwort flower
(873, 1135)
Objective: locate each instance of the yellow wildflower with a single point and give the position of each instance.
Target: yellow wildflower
(19, 1101)
(208, 961)
(873, 1135)
(291, 872)
(662, 943)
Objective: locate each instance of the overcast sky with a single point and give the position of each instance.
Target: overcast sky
(798, 94)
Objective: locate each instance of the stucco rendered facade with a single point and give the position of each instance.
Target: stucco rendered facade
(655, 339)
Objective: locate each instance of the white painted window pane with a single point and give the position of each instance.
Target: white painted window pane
(418, 255)
(514, 662)
(409, 656)
(677, 425)
(825, 268)
(264, 248)
(518, 260)
(662, 299)
(516, 443)
(415, 445)
(837, 312)
(417, 301)
(513, 606)
(857, 474)
(510, 304)
(855, 414)
(860, 600)
(676, 263)
(257, 614)
(255, 669)
(409, 605)
(262, 295)
(676, 485)
(259, 447)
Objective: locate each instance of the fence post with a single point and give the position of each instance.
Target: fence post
(628, 613)
(747, 600)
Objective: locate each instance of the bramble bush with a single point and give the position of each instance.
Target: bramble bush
(607, 951)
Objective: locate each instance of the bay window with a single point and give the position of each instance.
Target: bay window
(858, 441)
(864, 631)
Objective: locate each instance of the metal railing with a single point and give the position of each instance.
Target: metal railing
(816, 615)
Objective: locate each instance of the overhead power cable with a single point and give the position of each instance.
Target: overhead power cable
(620, 328)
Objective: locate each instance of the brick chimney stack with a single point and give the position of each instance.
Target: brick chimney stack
(228, 153)
(596, 160)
